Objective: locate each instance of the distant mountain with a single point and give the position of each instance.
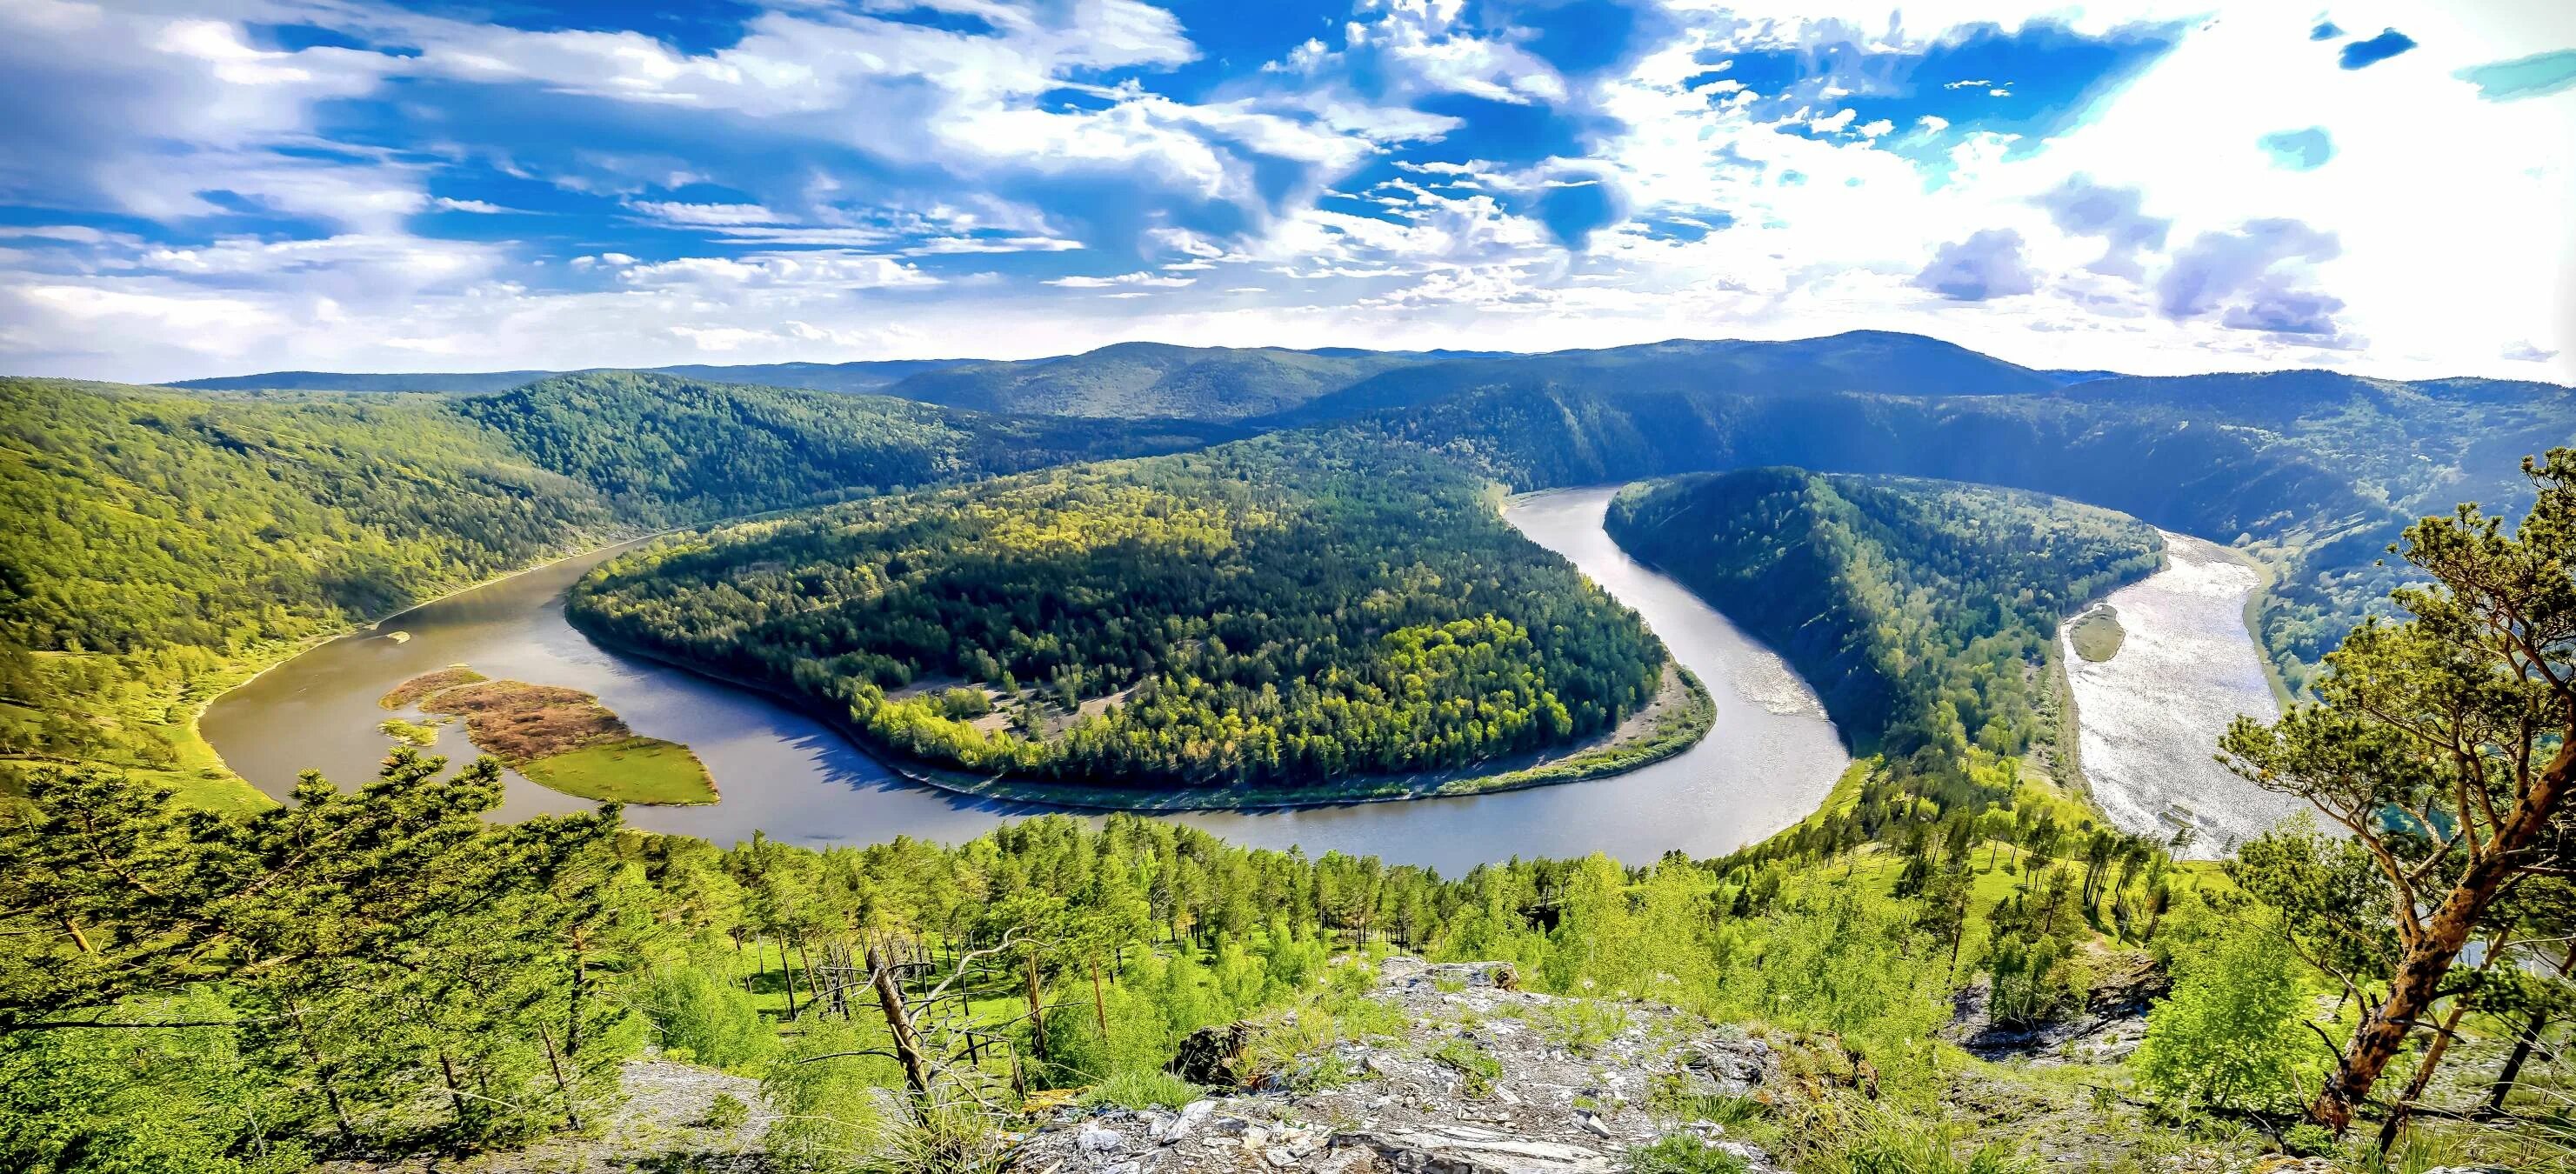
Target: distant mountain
(865, 376)
(1862, 360)
(1139, 380)
(670, 449)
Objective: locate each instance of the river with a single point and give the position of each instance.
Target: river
(1769, 761)
(2151, 715)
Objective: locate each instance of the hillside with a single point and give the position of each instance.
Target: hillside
(855, 377)
(1862, 360)
(1925, 613)
(1142, 380)
(1276, 612)
(165, 543)
(672, 450)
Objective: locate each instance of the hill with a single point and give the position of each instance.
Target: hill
(672, 450)
(163, 544)
(1145, 379)
(1279, 613)
(1924, 613)
(1861, 360)
(855, 377)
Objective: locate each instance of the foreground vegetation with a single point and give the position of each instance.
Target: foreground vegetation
(1281, 610)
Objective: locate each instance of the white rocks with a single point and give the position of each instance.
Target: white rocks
(1097, 1140)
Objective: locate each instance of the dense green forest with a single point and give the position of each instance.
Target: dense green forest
(1285, 609)
(161, 542)
(1146, 380)
(1925, 613)
(672, 451)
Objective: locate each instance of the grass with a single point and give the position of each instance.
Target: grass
(409, 733)
(2097, 634)
(1682, 1154)
(1141, 1088)
(1477, 1070)
(632, 770)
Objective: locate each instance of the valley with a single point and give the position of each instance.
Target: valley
(1681, 673)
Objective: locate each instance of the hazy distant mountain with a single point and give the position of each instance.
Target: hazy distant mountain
(1138, 380)
(872, 375)
(1862, 360)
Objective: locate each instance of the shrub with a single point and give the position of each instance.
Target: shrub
(725, 1112)
(712, 1020)
(1682, 1153)
(2233, 1034)
(1141, 1088)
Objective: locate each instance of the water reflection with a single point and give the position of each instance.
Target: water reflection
(1770, 760)
(2151, 715)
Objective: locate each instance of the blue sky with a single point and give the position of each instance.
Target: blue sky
(218, 187)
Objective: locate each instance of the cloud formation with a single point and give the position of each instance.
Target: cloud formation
(1986, 265)
(243, 184)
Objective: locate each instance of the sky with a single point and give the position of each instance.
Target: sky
(229, 186)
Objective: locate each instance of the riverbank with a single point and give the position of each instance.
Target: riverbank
(1681, 713)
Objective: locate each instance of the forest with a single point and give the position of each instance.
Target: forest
(1288, 608)
(163, 544)
(1925, 613)
(378, 972)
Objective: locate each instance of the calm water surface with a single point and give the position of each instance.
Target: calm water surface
(1768, 762)
(2151, 715)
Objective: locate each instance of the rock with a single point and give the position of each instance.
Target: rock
(1591, 1123)
(1097, 1140)
(1349, 1160)
(1214, 1056)
(1465, 1149)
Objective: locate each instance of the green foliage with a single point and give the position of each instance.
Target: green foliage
(714, 1020)
(1923, 612)
(1142, 1088)
(1881, 1140)
(673, 450)
(725, 1111)
(1477, 1070)
(2234, 1034)
(1682, 1153)
(1145, 380)
(1273, 611)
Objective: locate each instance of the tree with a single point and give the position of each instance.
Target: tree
(2444, 744)
(2232, 1034)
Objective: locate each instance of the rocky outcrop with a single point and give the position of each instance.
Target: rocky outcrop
(1484, 1079)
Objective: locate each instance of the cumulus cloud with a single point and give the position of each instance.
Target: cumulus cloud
(2525, 352)
(1986, 265)
(2081, 207)
(2252, 277)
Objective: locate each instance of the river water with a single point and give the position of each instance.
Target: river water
(1769, 761)
(2151, 715)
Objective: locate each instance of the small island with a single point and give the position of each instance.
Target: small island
(560, 738)
(2097, 634)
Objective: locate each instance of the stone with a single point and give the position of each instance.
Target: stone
(1097, 1140)
(1214, 1057)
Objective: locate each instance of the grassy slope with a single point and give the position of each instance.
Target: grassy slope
(633, 770)
(167, 546)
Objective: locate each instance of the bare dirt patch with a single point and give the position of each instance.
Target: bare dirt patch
(518, 722)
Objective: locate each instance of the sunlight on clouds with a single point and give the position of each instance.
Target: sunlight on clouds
(2152, 186)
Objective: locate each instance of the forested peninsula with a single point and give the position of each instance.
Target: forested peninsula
(1275, 614)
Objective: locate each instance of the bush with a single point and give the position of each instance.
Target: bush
(1141, 1088)
(1682, 1153)
(2233, 1035)
(725, 1112)
(713, 1020)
